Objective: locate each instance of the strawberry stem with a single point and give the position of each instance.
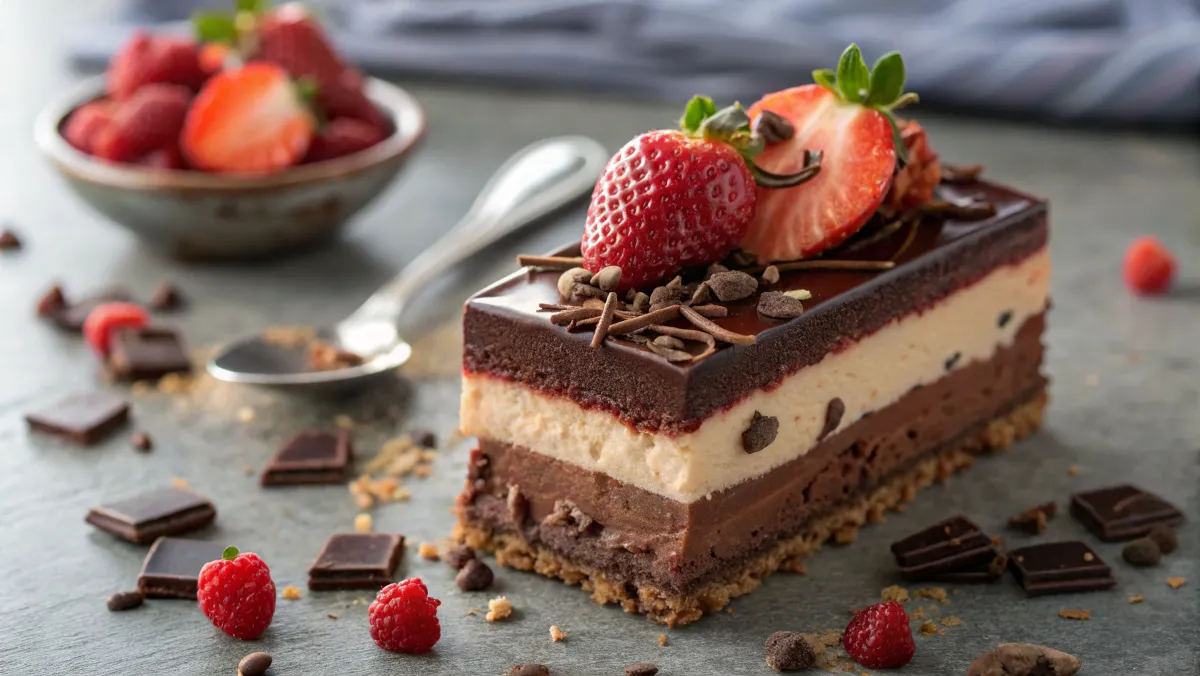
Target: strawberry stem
(230, 553)
(879, 88)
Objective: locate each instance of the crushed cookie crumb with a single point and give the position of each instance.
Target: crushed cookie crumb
(363, 523)
(1176, 582)
(245, 414)
(927, 628)
(1081, 615)
(794, 564)
(662, 639)
(894, 593)
(332, 616)
(181, 483)
(1137, 598)
(499, 608)
(291, 593)
(474, 611)
(933, 594)
(831, 638)
(422, 471)
(918, 614)
(1073, 470)
(951, 621)
(428, 551)
(248, 470)
(846, 534)
(557, 634)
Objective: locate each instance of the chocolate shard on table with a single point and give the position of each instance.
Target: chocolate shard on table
(356, 561)
(310, 457)
(144, 518)
(84, 418)
(70, 317)
(946, 546)
(172, 567)
(1122, 512)
(620, 462)
(147, 354)
(1060, 568)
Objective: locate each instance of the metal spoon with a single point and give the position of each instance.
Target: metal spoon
(538, 180)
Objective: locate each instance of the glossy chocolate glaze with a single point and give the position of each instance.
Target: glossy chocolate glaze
(506, 336)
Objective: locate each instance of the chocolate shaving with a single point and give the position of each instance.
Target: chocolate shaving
(550, 262)
(684, 334)
(778, 305)
(556, 306)
(772, 127)
(608, 279)
(166, 297)
(642, 321)
(762, 431)
(961, 173)
(732, 286)
(866, 239)
(720, 333)
(833, 417)
(568, 280)
(702, 294)
(668, 353)
(568, 316)
(606, 316)
(912, 237)
(711, 311)
(965, 211)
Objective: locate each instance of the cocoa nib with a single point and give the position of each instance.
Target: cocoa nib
(777, 305)
(732, 286)
(475, 575)
(608, 278)
(1024, 659)
(762, 431)
(1142, 552)
(458, 556)
(568, 280)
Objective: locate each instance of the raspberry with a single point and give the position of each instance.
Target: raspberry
(108, 317)
(1149, 267)
(879, 637)
(404, 617)
(237, 594)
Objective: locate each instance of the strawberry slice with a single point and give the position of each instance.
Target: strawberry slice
(849, 119)
(248, 120)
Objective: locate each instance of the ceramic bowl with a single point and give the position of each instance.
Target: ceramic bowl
(195, 215)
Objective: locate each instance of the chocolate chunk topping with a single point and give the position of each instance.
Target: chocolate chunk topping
(772, 127)
(770, 275)
(475, 575)
(713, 269)
(568, 280)
(529, 670)
(1164, 536)
(777, 305)
(762, 431)
(663, 297)
(1004, 318)
(608, 279)
(125, 600)
(789, 651)
(142, 441)
(71, 316)
(732, 286)
(458, 556)
(1024, 659)
(641, 669)
(952, 545)
(1122, 512)
(356, 561)
(9, 240)
(982, 570)
(697, 319)
(172, 567)
(147, 354)
(670, 341)
(144, 518)
(83, 419)
(1034, 519)
(640, 302)
(254, 664)
(311, 457)
(52, 302)
(166, 297)
(585, 290)
(1059, 567)
(952, 361)
(1142, 552)
(833, 416)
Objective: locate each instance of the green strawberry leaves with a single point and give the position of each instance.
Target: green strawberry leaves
(230, 553)
(697, 111)
(880, 87)
(214, 27)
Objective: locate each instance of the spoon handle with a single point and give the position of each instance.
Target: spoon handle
(538, 180)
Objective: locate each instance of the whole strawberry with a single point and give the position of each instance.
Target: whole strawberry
(146, 59)
(151, 119)
(87, 122)
(672, 199)
(237, 595)
(404, 619)
(879, 637)
(342, 136)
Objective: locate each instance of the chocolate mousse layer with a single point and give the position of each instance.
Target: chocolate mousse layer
(642, 538)
(506, 336)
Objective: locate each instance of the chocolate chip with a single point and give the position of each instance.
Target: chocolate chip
(529, 670)
(952, 361)
(423, 438)
(770, 275)
(772, 127)
(585, 290)
(1024, 659)
(608, 279)
(474, 576)
(1034, 519)
(568, 280)
(733, 285)
(789, 651)
(641, 669)
(1142, 552)
(761, 432)
(676, 284)
(52, 302)
(166, 297)
(458, 556)
(254, 664)
(777, 305)
(1004, 318)
(715, 268)
(670, 342)
(9, 240)
(142, 441)
(125, 600)
(1164, 536)
(640, 302)
(663, 297)
(833, 416)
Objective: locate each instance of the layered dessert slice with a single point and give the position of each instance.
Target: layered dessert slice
(666, 446)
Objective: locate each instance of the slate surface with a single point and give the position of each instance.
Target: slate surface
(1126, 395)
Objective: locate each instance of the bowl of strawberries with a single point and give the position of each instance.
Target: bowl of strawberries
(252, 138)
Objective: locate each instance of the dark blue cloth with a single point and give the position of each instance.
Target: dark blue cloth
(1124, 61)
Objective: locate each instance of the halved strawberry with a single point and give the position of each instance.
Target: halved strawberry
(849, 119)
(248, 120)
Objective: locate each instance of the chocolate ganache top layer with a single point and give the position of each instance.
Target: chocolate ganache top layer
(507, 336)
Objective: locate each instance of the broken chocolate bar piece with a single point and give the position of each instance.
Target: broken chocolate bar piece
(1122, 512)
(71, 316)
(982, 570)
(312, 457)
(84, 418)
(1059, 568)
(356, 561)
(173, 565)
(147, 354)
(144, 518)
(950, 545)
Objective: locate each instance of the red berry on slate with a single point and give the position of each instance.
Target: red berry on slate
(404, 618)
(237, 594)
(879, 637)
(108, 317)
(1149, 267)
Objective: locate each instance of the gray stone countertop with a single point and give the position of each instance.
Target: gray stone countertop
(1125, 407)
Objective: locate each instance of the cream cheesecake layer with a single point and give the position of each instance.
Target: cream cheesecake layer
(876, 371)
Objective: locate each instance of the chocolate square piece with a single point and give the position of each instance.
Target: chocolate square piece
(147, 354)
(950, 545)
(982, 570)
(144, 518)
(1059, 568)
(172, 567)
(356, 561)
(71, 316)
(312, 457)
(83, 418)
(1122, 512)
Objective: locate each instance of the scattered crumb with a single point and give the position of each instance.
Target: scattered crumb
(248, 470)
(951, 621)
(927, 628)
(1137, 598)
(498, 609)
(1073, 470)
(291, 593)
(1092, 380)
(846, 534)
(1088, 556)
(831, 638)
(174, 383)
(332, 616)
(401, 494)
(422, 471)
(918, 614)
(557, 634)
(141, 388)
(323, 356)
(933, 594)
(179, 482)
(381, 482)
(343, 421)
(1176, 582)
(245, 414)
(662, 639)
(360, 601)
(794, 565)
(428, 551)
(474, 611)
(363, 501)
(1082, 615)
(956, 592)
(894, 593)
(363, 523)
